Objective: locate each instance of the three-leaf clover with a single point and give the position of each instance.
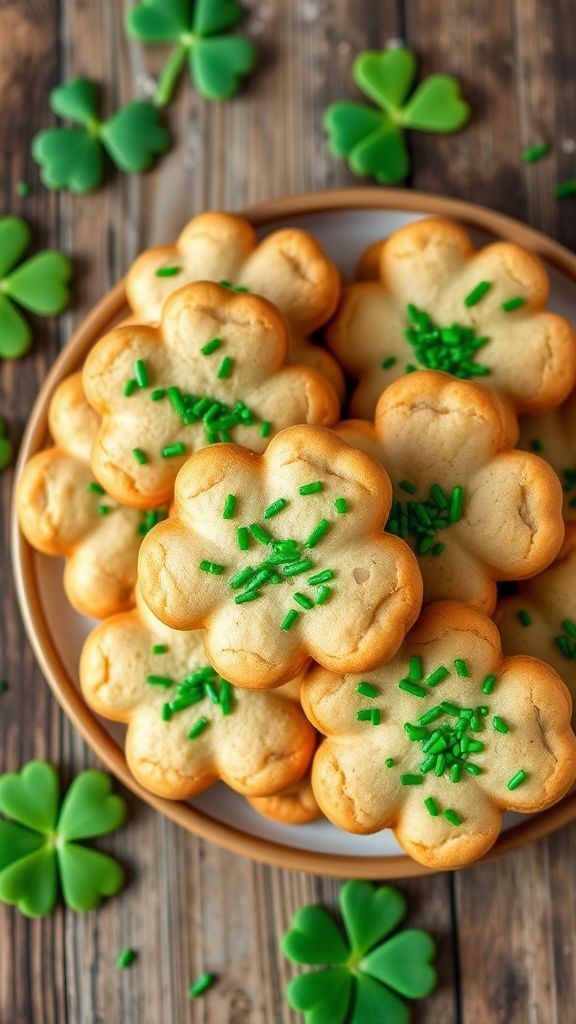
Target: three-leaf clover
(373, 140)
(74, 157)
(216, 62)
(365, 972)
(39, 844)
(38, 284)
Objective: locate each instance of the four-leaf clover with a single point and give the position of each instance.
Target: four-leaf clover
(216, 62)
(39, 285)
(74, 157)
(373, 140)
(364, 974)
(39, 844)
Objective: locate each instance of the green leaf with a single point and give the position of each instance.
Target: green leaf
(385, 76)
(14, 240)
(76, 100)
(436, 106)
(159, 21)
(17, 842)
(40, 284)
(133, 136)
(15, 333)
(87, 875)
(370, 913)
(382, 155)
(31, 797)
(348, 123)
(211, 16)
(69, 158)
(31, 883)
(322, 996)
(90, 808)
(404, 963)
(314, 938)
(217, 65)
(374, 1004)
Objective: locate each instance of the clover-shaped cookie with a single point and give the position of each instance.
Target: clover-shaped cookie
(213, 370)
(281, 558)
(188, 727)
(540, 620)
(473, 509)
(553, 436)
(62, 510)
(439, 741)
(434, 302)
(288, 268)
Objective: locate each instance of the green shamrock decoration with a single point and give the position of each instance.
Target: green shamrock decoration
(373, 140)
(6, 450)
(39, 285)
(39, 845)
(216, 62)
(74, 157)
(364, 974)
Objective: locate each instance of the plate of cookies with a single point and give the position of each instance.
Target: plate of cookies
(294, 531)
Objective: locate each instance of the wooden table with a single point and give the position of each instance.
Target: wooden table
(505, 930)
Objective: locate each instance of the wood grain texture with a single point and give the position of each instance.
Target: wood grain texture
(505, 930)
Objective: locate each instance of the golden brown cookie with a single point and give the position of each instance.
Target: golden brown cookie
(553, 436)
(438, 303)
(214, 370)
(474, 510)
(288, 268)
(540, 620)
(294, 806)
(187, 727)
(439, 741)
(281, 558)
(63, 511)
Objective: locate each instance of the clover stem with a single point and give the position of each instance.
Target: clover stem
(170, 74)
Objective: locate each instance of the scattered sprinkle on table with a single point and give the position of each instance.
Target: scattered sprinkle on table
(533, 153)
(565, 189)
(126, 958)
(201, 985)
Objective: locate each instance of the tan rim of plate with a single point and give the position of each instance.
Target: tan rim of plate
(97, 323)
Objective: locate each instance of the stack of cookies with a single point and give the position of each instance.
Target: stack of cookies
(291, 503)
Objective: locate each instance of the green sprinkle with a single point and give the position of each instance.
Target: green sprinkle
(95, 488)
(477, 293)
(205, 981)
(303, 601)
(511, 304)
(168, 271)
(275, 508)
(415, 732)
(319, 531)
(210, 346)
(415, 669)
(450, 709)
(229, 506)
(533, 153)
(437, 549)
(157, 394)
(22, 189)
(126, 958)
(431, 807)
(431, 716)
(524, 617)
(321, 577)
(166, 713)
(170, 450)
(411, 780)
(260, 534)
(489, 684)
(103, 510)
(565, 189)
(225, 697)
(437, 676)
(212, 567)
(452, 816)
(313, 488)
(141, 373)
(389, 762)
(322, 595)
(265, 428)
(289, 620)
(517, 779)
(500, 725)
(407, 486)
(455, 772)
(341, 506)
(140, 456)
(536, 445)
(197, 728)
(375, 716)
(243, 538)
(225, 368)
(367, 690)
(364, 715)
(177, 400)
(295, 568)
(456, 500)
(130, 387)
(412, 688)
(388, 362)
(163, 681)
(569, 627)
(461, 668)
(240, 578)
(159, 649)
(224, 283)
(246, 596)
